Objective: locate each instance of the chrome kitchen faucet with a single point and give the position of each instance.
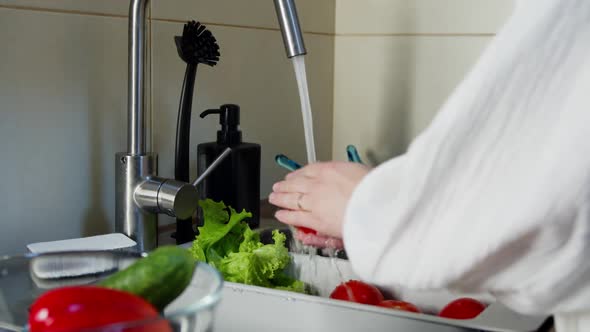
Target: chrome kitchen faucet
(140, 194)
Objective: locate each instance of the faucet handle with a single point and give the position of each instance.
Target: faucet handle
(174, 198)
(213, 166)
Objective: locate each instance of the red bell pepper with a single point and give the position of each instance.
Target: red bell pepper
(79, 307)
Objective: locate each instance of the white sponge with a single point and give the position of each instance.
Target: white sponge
(82, 259)
(99, 242)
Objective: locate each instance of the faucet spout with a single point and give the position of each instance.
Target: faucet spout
(290, 28)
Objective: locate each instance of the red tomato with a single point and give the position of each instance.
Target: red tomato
(357, 291)
(74, 308)
(463, 308)
(399, 305)
(306, 230)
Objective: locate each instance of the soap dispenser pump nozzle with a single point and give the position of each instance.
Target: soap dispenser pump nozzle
(229, 119)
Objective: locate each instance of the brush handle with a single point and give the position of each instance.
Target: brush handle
(183, 126)
(184, 228)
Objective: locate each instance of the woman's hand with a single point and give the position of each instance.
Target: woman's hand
(316, 196)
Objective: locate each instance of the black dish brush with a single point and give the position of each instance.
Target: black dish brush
(196, 45)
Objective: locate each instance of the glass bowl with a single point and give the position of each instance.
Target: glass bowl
(24, 278)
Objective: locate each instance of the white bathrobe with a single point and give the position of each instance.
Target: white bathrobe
(495, 194)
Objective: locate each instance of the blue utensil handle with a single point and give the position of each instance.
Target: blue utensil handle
(353, 154)
(287, 163)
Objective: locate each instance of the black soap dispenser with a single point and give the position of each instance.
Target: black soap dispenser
(236, 180)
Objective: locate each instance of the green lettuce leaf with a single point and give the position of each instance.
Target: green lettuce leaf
(258, 266)
(250, 242)
(218, 236)
(226, 242)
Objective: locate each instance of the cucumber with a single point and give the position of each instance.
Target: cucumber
(158, 278)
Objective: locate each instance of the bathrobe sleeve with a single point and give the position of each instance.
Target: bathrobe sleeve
(494, 195)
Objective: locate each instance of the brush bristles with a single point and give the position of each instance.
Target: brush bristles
(198, 45)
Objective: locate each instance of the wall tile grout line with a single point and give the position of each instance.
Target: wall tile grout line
(155, 19)
(328, 34)
(238, 26)
(61, 11)
(417, 34)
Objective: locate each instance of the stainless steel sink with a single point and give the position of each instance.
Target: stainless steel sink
(251, 308)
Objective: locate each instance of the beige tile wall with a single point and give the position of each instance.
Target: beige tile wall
(63, 90)
(396, 61)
